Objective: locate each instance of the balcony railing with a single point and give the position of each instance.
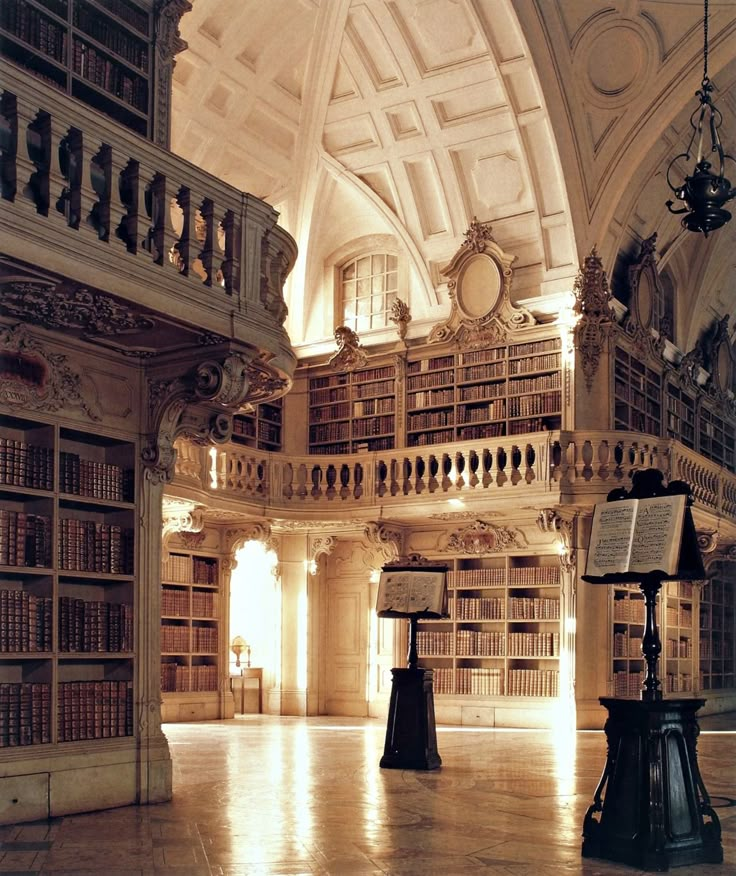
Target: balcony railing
(560, 467)
(86, 199)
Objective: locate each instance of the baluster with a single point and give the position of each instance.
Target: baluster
(301, 490)
(38, 146)
(515, 464)
(473, 463)
(587, 460)
(487, 460)
(501, 461)
(406, 472)
(134, 224)
(207, 253)
(229, 264)
(381, 474)
(331, 478)
(155, 207)
(316, 477)
(419, 468)
(287, 490)
(261, 469)
(344, 480)
(358, 480)
(8, 146)
(459, 469)
(100, 176)
(394, 477)
(433, 469)
(555, 457)
(604, 459)
(529, 459)
(118, 208)
(66, 175)
(180, 254)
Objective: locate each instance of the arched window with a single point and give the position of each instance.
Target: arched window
(369, 285)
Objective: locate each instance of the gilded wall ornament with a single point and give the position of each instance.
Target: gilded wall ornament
(33, 377)
(350, 355)
(401, 315)
(592, 304)
(482, 538)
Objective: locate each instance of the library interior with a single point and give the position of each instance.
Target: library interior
(296, 291)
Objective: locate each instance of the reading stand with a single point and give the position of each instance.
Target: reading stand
(655, 812)
(412, 588)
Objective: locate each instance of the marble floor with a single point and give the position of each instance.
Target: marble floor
(265, 795)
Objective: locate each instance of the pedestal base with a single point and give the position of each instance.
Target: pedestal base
(411, 736)
(655, 811)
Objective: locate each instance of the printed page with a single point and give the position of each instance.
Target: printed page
(425, 592)
(658, 534)
(393, 593)
(611, 537)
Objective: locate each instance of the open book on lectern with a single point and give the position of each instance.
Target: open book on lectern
(407, 592)
(638, 536)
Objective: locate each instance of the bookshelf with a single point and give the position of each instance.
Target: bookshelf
(352, 412)
(637, 394)
(262, 428)
(629, 667)
(716, 436)
(99, 51)
(190, 635)
(67, 583)
(502, 638)
(717, 615)
(681, 415)
(679, 637)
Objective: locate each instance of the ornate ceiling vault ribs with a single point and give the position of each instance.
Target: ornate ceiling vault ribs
(597, 319)
(479, 286)
(33, 377)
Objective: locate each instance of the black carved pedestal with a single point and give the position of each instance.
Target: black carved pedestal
(651, 809)
(411, 736)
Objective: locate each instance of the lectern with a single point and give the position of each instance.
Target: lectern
(651, 808)
(412, 588)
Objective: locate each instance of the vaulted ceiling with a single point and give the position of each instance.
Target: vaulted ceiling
(404, 119)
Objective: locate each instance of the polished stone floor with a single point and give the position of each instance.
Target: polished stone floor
(264, 795)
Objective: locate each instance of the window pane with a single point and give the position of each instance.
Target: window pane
(378, 305)
(379, 262)
(362, 323)
(364, 306)
(364, 266)
(348, 289)
(390, 300)
(378, 284)
(348, 272)
(392, 281)
(391, 263)
(364, 287)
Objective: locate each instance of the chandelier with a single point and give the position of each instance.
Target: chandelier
(706, 190)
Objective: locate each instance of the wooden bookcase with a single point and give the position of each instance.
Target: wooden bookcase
(678, 642)
(99, 51)
(67, 583)
(716, 436)
(718, 630)
(190, 635)
(503, 635)
(628, 632)
(681, 415)
(262, 428)
(637, 394)
(351, 412)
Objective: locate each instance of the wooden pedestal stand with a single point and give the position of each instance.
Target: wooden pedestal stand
(411, 735)
(651, 808)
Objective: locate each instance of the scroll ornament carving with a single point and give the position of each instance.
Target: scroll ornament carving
(387, 540)
(193, 540)
(644, 343)
(318, 546)
(549, 520)
(477, 236)
(45, 381)
(236, 537)
(401, 315)
(481, 538)
(168, 38)
(182, 520)
(350, 355)
(79, 309)
(592, 304)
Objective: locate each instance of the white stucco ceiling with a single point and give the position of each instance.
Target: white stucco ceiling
(552, 120)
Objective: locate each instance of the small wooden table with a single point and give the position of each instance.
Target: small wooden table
(247, 691)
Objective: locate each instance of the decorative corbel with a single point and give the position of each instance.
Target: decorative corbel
(387, 540)
(318, 546)
(350, 355)
(597, 319)
(549, 520)
(401, 315)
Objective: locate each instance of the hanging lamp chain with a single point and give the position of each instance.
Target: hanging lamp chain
(705, 42)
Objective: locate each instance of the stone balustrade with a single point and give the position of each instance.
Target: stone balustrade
(95, 204)
(561, 467)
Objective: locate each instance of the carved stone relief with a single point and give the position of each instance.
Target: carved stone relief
(479, 287)
(387, 540)
(592, 304)
(350, 355)
(318, 546)
(482, 538)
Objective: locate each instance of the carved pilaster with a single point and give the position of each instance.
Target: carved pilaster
(168, 44)
(592, 304)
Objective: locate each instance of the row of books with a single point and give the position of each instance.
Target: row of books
(538, 424)
(371, 406)
(185, 569)
(679, 648)
(534, 644)
(245, 427)
(177, 603)
(430, 380)
(483, 372)
(495, 410)
(96, 68)
(88, 546)
(176, 678)
(327, 395)
(487, 430)
(476, 578)
(99, 480)
(628, 610)
(366, 390)
(329, 432)
(373, 426)
(540, 403)
(532, 347)
(175, 639)
(25, 539)
(431, 418)
(549, 362)
(204, 603)
(34, 28)
(479, 608)
(433, 364)
(478, 356)
(134, 50)
(679, 616)
(431, 397)
(625, 645)
(25, 622)
(129, 13)
(534, 576)
(424, 439)
(519, 386)
(25, 714)
(477, 643)
(372, 374)
(331, 412)
(95, 710)
(627, 684)
(534, 608)
(269, 433)
(26, 465)
(678, 683)
(94, 626)
(533, 683)
(204, 640)
(435, 642)
(481, 392)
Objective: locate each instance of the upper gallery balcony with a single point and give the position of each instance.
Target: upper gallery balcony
(167, 257)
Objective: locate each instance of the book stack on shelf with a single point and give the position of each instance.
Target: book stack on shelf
(503, 634)
(67, 576)
(190, 605)
(99, 51)
(262, 428)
